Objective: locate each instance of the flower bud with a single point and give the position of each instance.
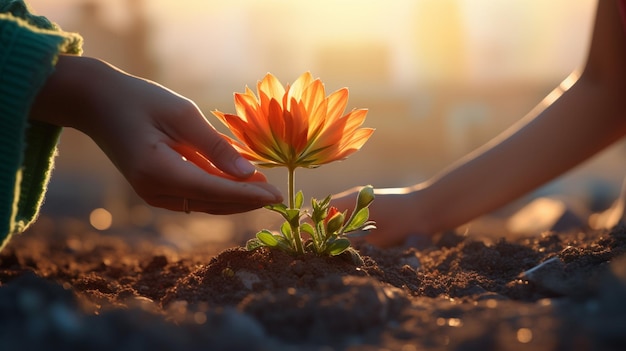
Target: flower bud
(334, 220)
(365, 198)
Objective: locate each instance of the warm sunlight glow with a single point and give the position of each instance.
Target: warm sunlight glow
(101, 219)
(406, 39)
(440, 78)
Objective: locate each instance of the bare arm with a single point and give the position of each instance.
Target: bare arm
(547, 142)
(550, 140)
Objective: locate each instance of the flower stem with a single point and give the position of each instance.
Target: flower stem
(295, 229)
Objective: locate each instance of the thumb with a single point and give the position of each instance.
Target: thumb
(201, 161)
(219, 151)
(200, 135)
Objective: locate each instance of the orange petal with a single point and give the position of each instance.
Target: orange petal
(337, 103)
(220, 116)
(257, 121)
(248, 135)
(355, 143)
(275, 120)
(313, 95)
(331, 134)
(249, 92)
(318, 121)
(300, 127)
(354, 119)
(235, 124)
(271, 86)
(246, 106)
(244, 150)
(250, 152)
(295, 91)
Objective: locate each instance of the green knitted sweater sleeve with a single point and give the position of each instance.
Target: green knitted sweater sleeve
(29, 46)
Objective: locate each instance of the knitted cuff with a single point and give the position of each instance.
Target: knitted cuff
(27, 57)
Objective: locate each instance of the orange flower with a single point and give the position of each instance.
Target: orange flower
(295, 126)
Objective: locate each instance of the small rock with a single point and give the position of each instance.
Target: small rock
(248, 279)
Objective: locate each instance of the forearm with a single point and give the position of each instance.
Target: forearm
(545, 144)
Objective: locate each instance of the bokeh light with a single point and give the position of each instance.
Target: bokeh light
(101, 219)
(524, 335)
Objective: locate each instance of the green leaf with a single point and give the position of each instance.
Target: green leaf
(318, 214)
(285, 229)
(280, 208)
(365, 198)
(308, 228)
(357, 220)
(299, 199)
(292, 215)
(277, 207)
(338, 246)
(267, 238)
(326, 201)
(284, 245)
(254, 244)
(314, 203)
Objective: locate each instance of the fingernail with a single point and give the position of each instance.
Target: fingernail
(244, 166)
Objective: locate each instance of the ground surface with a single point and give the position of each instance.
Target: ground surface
(89, 291)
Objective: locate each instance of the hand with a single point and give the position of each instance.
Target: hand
(395, 211)
(146, 130)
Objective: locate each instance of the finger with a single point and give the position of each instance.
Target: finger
(199, 133)
(196, 205)
(196, 158)
(174, 177)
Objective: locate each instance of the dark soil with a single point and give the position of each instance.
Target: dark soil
(81, 290)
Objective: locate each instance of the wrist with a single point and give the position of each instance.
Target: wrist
(425, 217)
(67, 95)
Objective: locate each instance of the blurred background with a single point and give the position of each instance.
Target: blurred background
(439, 77)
